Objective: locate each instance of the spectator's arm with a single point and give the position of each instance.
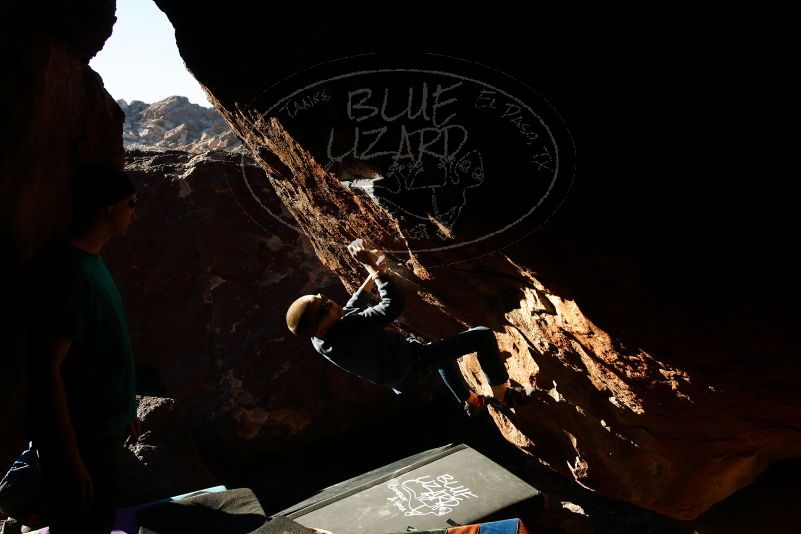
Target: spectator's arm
(60, 423)
(61, 433)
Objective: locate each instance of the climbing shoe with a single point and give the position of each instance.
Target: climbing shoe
(515, 396)
(475, 408)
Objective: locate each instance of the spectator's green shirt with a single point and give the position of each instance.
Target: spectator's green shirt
(83, 305)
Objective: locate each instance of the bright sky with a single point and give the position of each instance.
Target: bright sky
(140, 60)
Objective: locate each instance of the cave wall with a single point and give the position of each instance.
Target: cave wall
(206, 289)
(651, 312)
(57, 117)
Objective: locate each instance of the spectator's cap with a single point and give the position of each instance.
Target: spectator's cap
(100, 185)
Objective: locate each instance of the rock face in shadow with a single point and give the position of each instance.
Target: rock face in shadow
(57, 117)
(651, 314)
(206, 290)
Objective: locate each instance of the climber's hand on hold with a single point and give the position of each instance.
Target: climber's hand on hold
(365, 252)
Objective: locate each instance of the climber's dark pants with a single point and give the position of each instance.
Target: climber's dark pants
(442, 356)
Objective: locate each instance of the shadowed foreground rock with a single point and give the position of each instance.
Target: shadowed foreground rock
(164, 461)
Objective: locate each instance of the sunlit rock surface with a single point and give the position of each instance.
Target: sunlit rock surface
(175, 123)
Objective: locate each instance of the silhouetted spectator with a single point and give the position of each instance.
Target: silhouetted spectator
(82, 372)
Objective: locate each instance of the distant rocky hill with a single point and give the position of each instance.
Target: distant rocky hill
(175, 123)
